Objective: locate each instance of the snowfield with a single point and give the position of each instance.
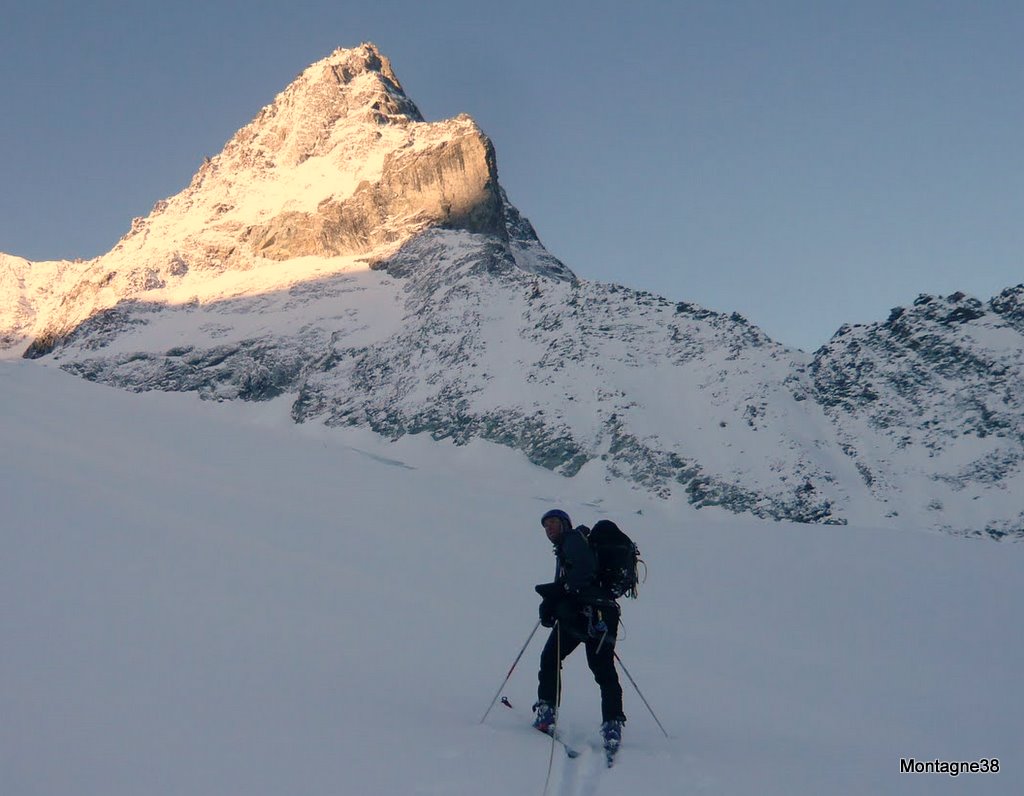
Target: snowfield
(206, 599)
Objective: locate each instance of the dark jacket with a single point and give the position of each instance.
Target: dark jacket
(577, 566)
(574, 586)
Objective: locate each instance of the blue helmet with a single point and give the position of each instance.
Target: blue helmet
(566, 522)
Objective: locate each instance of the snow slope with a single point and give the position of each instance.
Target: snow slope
(203, 598)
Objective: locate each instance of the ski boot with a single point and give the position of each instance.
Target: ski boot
(611, 734)
(545, 719)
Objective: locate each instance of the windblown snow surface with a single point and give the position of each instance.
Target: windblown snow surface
(204, 599)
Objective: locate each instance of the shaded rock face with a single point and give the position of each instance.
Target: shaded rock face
(490, 345)
(937, 389)
(954, 351)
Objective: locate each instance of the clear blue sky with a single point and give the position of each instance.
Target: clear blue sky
(803, 163)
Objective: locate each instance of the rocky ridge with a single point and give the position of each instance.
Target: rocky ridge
(934, 392)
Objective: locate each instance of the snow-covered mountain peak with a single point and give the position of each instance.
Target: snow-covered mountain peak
(367, 264)
(339, 172)
(315, 172)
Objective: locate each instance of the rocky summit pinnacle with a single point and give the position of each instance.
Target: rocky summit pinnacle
(341, 164)
(355, 85)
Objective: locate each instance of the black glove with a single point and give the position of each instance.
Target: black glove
(547, 613)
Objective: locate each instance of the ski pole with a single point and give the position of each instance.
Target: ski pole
(516, 661)
(558, 701)
(626, 671)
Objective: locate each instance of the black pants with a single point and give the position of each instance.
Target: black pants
(601, 663)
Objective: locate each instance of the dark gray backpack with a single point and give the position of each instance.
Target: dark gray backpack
(618, 560)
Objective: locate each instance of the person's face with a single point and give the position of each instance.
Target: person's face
(553, 528)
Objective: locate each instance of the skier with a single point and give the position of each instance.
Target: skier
(578, 611)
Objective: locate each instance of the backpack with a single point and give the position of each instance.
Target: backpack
(618, 559)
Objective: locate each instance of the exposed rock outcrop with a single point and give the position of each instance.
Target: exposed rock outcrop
(453, 184)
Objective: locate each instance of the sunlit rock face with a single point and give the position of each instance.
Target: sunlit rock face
(365, 266)
(452, 184)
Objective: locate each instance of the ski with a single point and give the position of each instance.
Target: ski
(570, 751)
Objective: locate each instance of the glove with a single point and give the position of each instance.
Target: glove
(547, 614)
